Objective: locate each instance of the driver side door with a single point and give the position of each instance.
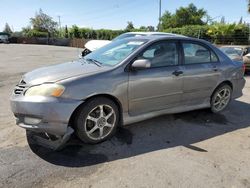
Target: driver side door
(160, 86)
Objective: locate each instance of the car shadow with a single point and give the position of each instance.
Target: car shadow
(183, 129)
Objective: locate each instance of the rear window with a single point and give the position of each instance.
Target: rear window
(196, 53)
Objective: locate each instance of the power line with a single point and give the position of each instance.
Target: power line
(105, 12)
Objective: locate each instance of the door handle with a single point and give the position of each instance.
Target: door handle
(215, 69)
(177, 72)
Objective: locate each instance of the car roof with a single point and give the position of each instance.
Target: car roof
(146, 33)
(152, 38)
(153, 33)
(160, 37)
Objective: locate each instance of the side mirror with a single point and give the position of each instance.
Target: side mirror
(141, 64)
(84, 53)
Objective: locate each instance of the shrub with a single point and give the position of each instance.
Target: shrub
(217, 33)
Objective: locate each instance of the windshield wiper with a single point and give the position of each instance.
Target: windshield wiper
(99, 64)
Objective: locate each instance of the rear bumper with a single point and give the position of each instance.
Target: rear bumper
(238, 86)
(43, 114)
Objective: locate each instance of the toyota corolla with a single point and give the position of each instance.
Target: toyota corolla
(126, 81)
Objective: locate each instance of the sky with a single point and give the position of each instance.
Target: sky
(112, 14)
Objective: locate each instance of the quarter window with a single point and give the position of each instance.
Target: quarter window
(195, 53)
(161, 54)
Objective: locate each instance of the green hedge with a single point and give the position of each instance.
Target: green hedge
(217, 33)
(103, 34)
(197, 31)
(35, 33)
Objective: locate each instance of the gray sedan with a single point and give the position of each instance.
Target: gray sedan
(126, 81)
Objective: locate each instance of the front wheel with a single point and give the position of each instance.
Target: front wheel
(97, 120)
(221, 98)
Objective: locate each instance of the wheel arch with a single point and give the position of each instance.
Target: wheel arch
(111, 97)
(226, 82)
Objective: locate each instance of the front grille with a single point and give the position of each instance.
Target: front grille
(20, 88)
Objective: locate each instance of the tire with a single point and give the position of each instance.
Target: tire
(221, 98)
(94, 125)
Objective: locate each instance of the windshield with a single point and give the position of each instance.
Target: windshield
(232, 51)
(115, 52)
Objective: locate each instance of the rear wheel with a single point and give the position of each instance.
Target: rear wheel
(97, 120)
(221, 98)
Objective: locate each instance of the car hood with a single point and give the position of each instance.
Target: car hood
(61, 71)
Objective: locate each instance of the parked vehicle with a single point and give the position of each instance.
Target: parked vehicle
(92, 45)
(238, 53)
(4, 38)
(126, 81)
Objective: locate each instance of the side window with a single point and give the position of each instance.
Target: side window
(214, 58)
(161, 54)
(195, 53)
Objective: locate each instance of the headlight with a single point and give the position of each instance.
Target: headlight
(53, 90)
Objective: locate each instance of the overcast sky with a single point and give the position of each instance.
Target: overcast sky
(112, 14)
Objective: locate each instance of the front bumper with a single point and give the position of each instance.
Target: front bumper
(43, 114)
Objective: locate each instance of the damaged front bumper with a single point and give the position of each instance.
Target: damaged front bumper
(48, 115)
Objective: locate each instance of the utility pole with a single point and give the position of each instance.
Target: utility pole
(60, 28)
(248, 23)
(159, 24)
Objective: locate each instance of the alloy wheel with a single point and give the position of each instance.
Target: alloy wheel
(222, 99)
(99, 122)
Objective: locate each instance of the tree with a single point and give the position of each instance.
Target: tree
(7, 29)
(248, 6)
(130, 26)
(167, 21)
(26, 31)
(75, 31)
(241, 20)
(222, 33)
(151, 28)
(66, 32)
(183, 16)
(223, 20)
(143, 28)
(43, 22)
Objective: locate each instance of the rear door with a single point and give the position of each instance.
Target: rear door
(201, 72)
